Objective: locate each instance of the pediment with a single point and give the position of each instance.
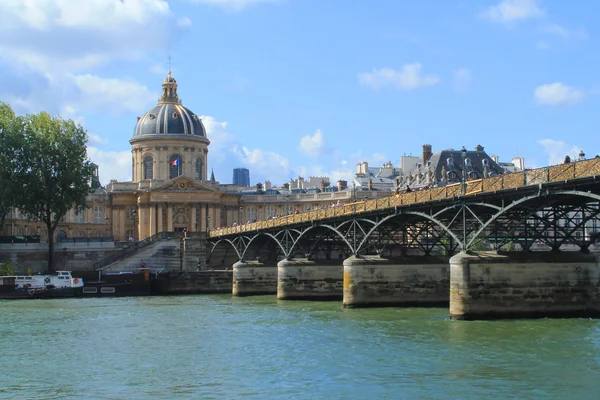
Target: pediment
(183, 185)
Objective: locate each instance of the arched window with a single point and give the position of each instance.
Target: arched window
(148, 167)
(174, 166)
(199, 171)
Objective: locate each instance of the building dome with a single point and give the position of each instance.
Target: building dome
(169, 116)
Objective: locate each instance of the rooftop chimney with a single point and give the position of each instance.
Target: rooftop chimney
(341, 184)
(426, 153)
(370, 184)
(479, 148)
(323, 185)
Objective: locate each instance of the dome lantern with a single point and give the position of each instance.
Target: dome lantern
(169, 91)
(169, 116)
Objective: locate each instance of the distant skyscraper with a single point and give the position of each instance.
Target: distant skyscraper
(241, 176)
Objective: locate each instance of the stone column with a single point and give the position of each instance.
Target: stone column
(159, 218)
(143, 223)
(169, 218)
(122, 236)
(152, 219)
(203, 214)
(216, 217)
(194, 225)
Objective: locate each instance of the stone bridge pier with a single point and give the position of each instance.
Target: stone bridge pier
(304, 279)
(418, 281)
(491, 285)
(254, 278)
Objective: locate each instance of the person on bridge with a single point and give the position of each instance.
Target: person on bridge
(567, 159)
(142, 264)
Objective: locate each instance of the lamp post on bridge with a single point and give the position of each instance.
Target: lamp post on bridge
(463, 153)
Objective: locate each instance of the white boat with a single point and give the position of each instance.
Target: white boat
(61, 279)
(59, 284)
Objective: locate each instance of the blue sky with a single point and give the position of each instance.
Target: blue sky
(312, 87)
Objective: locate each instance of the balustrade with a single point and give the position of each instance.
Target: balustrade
(556, 173)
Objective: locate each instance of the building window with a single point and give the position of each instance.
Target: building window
(79, 217)
(270, 210)
(251, 213)
(98, 214)
(199, 171)
(148, 167)
(174, 166)
(307, 208)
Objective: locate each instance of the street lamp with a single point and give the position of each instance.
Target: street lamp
(241, 210)
(287, 204)
(134, 218)
(207, 225)
(463, 153)
(354, 191)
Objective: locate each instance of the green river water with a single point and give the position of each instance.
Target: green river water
(219, 347)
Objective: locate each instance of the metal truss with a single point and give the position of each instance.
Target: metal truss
(547, 220)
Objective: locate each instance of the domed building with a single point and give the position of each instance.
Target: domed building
(169, 190)
(169, 140)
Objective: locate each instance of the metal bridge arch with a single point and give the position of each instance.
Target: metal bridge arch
(253, 238)
(419, 214)
(231, 243)
(333, 229)
(525, 199)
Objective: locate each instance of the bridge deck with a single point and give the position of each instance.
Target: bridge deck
(546, 175)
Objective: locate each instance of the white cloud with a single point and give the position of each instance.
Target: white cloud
(221, 140)
(70, 95)
(63, 35)
(184, 22)
(556, 150)
(106, 93)
(513, 10)
(461, 79)
(51, 47)
(312, 145)
(270, 164)
(235, 5)
(111, 164)
(565, 33)
(95, 139)
(408, 78)
(557, 94)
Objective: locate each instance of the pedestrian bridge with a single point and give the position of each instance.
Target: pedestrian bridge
(522, 205)
(516, 245)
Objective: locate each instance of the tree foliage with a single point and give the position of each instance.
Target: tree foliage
(52, 172)
(10, 144)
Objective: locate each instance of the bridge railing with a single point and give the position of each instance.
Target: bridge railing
(555, 173)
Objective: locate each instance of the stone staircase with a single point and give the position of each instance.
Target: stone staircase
(163, 254)
(167, 254)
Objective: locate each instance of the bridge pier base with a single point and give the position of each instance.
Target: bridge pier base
(253, 278)
(419, 281)
(302, 279)
(524, 285)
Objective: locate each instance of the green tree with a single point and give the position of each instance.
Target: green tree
(53, 173)
(9, 144)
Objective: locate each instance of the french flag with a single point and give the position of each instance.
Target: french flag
(175, 162)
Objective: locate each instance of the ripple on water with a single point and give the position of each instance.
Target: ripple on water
(227, 348)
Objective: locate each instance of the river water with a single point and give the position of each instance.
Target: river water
(219, 347)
